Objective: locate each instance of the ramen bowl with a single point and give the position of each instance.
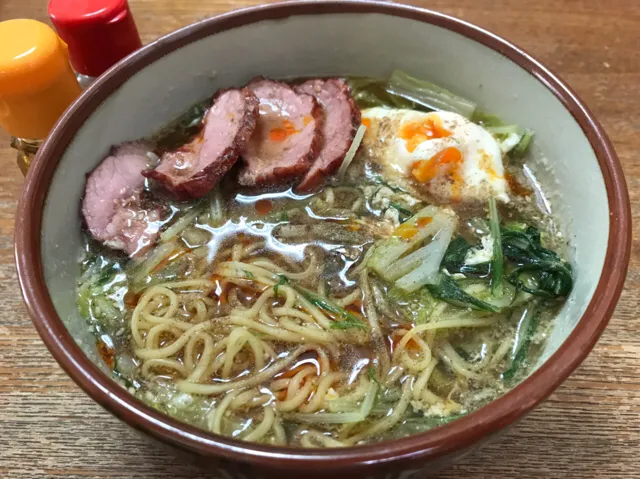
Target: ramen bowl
(573, 158)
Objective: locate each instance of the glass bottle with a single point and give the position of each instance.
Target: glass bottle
(37, 84)
(99, 34)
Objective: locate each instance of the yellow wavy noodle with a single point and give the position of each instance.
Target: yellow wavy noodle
(263, 356)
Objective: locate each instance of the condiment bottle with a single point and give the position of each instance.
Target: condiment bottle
(36, 84)
(99, 34)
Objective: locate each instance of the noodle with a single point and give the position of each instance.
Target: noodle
(253, 380)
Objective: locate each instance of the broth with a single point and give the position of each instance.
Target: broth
(291, 319)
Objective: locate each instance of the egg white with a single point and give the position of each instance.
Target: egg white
(481, 172)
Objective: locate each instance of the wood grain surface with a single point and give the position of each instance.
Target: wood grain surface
(590, 428)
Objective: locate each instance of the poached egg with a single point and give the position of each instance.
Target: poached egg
(442, 153)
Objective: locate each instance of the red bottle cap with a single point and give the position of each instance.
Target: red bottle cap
(99, 32)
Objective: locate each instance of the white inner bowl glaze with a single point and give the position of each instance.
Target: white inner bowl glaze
(336, 44)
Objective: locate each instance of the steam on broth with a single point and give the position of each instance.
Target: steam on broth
(412, 282)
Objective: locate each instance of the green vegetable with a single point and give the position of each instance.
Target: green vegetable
(101, 288)
(378, 180)
(416, 425)
(428, 95)
(515, 226)
(348, 320)
(431, 257)
(533, 320)
(487, 120)
(415, 307)
(448, 290)
(523, 145)
(178, 132)
(343, 417)
(389, 250)
(325, 304)
(216, 206)
(405, 214)
(248, 274)
(502, 131)
(453, 260)
(348, 324)
(328, 417)
(282, 279)
(497, 261)
(442, 381)
(539, 270)
(373, 375)
(427, 305)
(284, 216)
(405, 91)
(370, 93)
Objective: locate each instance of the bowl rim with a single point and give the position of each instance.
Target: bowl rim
(425, 446)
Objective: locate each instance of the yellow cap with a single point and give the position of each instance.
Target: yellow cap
(36, 81)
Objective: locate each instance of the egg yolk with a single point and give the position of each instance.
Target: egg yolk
(447, 161)
(416, 132)
(281, 134)
(409, 230)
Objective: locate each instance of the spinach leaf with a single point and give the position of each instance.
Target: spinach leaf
(455, 255)
(539, 270)
(448, 290)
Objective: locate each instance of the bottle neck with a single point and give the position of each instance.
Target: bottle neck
(27, 150)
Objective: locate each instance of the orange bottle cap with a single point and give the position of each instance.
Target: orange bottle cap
(36, 81)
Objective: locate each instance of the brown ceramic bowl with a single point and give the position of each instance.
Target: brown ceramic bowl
(155, 84)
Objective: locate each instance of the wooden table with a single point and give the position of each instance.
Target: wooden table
(590, 428)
